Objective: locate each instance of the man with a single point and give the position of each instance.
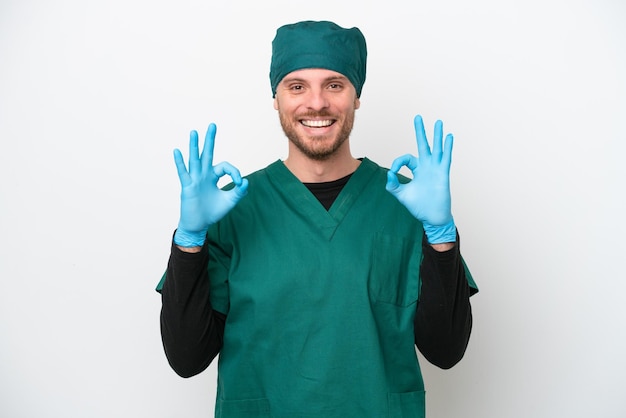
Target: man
(315, 277)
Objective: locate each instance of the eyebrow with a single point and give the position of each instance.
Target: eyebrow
(338, 77)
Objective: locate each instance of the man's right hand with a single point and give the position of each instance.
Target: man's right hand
(202, 203)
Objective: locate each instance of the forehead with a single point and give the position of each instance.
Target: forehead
(313, 75)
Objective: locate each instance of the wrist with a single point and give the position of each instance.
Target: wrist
(441, 234)
(189, 239)
(443, 247)
(191, 250)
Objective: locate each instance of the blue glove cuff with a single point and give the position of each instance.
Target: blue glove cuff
(186, 239)
(440, 234)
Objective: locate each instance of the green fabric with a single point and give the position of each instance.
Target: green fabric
(159, 287)
(323, 44)
(320, 304)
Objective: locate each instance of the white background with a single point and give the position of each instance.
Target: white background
(95, 95)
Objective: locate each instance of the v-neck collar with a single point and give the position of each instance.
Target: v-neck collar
(301, 200)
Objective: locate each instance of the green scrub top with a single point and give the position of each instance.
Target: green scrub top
(320, 304)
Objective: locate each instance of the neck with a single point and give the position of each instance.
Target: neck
(334, 167)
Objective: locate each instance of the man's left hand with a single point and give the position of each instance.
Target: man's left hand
(427, 195)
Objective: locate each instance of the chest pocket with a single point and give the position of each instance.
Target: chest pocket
(394, 277)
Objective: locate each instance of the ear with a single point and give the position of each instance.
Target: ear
(357, 103)
(275, 103)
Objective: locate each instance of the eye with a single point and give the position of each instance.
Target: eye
(334, 86)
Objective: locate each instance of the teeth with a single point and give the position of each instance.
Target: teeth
(317, 123)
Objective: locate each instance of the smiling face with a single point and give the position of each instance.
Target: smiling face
(316, 109)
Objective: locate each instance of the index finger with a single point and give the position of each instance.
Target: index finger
(407, 160)
(226, 168)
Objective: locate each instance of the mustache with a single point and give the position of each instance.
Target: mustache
(313, 114)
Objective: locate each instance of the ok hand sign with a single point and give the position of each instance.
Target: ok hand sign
(427, 195)
(202, 203)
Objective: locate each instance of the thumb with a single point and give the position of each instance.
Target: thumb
(239, 191)
(393, 185)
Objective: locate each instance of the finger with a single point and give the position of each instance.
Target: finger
(225, 168)
(209, 145)
(194, 162)
(407, 160)
(446, 159)
(242, 189)
(423, 150)
(183, 175)
(437, 139)
(241, 184)
(392, 182)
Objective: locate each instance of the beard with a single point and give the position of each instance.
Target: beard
(317, 147)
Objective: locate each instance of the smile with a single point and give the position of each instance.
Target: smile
(317, 123)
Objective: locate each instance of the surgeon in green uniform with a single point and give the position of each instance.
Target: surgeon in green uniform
(315, 278)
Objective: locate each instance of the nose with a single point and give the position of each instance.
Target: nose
(317, 100)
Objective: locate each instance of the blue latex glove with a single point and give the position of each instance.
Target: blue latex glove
(202, 203)
(427, 195)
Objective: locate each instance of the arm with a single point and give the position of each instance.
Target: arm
(443, 320)
(191, 331)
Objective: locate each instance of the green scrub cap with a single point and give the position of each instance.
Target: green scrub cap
(325, 45)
